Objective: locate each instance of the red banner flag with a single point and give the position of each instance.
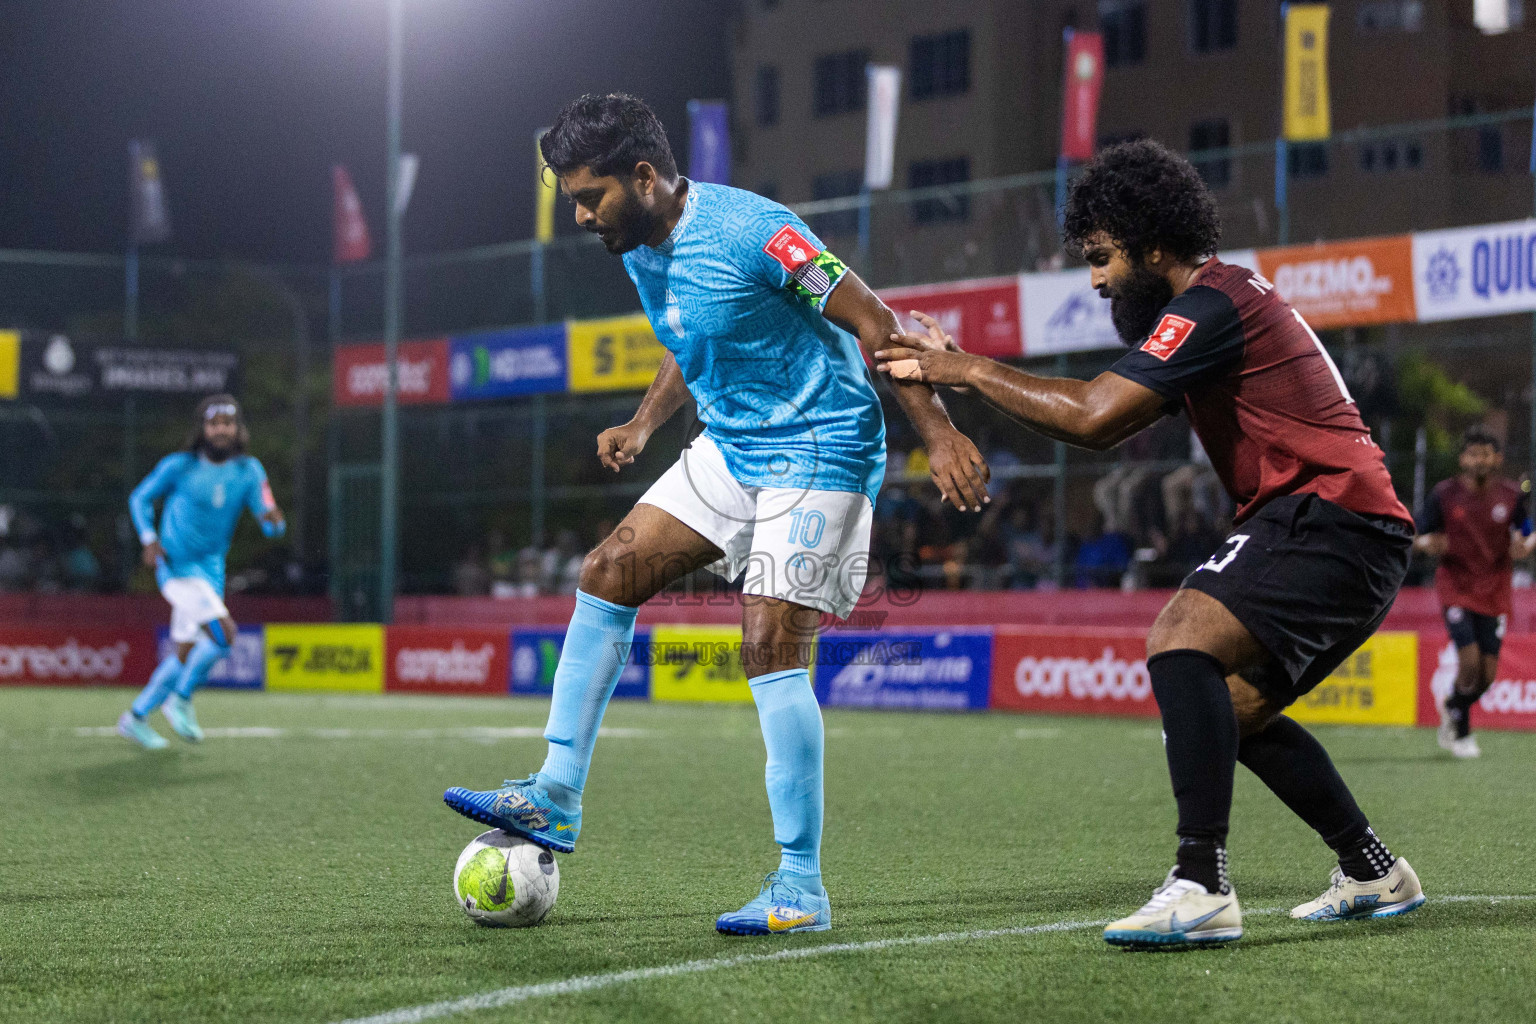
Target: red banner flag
(351, 230)
(1081, 85)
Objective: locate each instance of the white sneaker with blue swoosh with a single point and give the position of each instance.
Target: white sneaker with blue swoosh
(1349, 900)
(1180, 913)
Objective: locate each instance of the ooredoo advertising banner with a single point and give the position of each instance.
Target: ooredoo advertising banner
(465, 660)
(1340, 284)
(54, 656)
(981, 315)
(360, 373)
(931, 670)
(1071, 671)
(1477, 271)
(1510, 702)
(536, 654)
(243, 669)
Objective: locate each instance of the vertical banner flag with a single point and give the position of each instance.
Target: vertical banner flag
(709, 141)
(151, 219)
(1080, 89)
(352, 243)
(1306, 73)
(880, 131)
(544, 190)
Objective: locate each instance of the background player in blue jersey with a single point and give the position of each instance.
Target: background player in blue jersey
(764, 329)
(203, 491)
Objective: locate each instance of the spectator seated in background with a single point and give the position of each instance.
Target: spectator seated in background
(1102, 559)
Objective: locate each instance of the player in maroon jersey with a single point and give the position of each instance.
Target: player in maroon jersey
(1476, 524)
(1319, 550)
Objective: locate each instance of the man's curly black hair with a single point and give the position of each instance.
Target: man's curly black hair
(1144, 196)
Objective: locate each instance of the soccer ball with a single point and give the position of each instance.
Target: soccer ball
(504, 881)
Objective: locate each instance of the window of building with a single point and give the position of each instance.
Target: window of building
(1124, 25)
(768, 5)
(1306, 159)
(1212, 134)
(927, 173)
(767, 96)
(1386, 16)
(836, 185)
(1490, 149)
(840, 85)
(1212, 25)
(1115, 138)
(941, 65)
(1387, 155)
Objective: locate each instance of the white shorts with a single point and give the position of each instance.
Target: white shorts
(806, 547)
(194, 603)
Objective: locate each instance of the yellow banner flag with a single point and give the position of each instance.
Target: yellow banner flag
(544, 189)
(10, 363)
(1306, 73)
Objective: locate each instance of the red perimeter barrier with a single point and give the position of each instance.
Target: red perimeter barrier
(1417, 608)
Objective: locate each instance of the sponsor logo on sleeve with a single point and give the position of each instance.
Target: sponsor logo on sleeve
(801, 260)
(1171, 332)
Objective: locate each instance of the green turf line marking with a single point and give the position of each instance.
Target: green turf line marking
(571, 986)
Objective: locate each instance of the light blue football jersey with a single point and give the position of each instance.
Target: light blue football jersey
(203, 501)
(735, 293)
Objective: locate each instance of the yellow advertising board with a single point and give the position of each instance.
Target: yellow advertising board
(347, 657)
(10, 363)
(1377, 685)
(698, 663)
(619, 353)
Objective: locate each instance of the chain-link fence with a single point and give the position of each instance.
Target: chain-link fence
(501, 495)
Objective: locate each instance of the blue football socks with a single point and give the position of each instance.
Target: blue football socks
(792, 732)
(199, 661)
(596, 647)
(158, 688)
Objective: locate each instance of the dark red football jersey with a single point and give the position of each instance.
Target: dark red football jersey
(1474, 572)
(1263, 396)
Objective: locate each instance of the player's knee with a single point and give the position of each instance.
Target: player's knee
(603, 575)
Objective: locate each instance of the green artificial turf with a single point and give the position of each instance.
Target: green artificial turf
(297, 872)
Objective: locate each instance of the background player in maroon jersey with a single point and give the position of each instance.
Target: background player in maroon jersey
(1314, 563)
(1476, 523)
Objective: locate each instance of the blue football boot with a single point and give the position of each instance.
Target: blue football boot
(523, 808)
(780, 908)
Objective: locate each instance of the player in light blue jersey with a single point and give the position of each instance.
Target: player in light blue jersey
(764, 329)
(203, 490)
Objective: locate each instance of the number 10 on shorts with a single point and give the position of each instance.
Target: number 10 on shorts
(806, 525)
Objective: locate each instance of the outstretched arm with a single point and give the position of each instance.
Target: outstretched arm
(958, 469)
(618, 446)
(1098, 413)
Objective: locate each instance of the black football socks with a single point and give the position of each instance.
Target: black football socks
(1200, 738)
(1297, 769)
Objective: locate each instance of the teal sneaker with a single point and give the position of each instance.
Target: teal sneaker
(780, 908)
(138, 730)
(178, 711)
(523, 808)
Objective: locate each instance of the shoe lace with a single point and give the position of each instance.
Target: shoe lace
(1172, 888)
(778, 891)
(1336, 882)
(509, 783)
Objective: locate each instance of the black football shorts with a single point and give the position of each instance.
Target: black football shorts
(1468, 628)
(1311, 581)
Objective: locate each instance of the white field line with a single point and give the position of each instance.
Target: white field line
(590, 982)
(263, 732)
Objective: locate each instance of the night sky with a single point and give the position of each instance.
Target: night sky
(251, 101)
